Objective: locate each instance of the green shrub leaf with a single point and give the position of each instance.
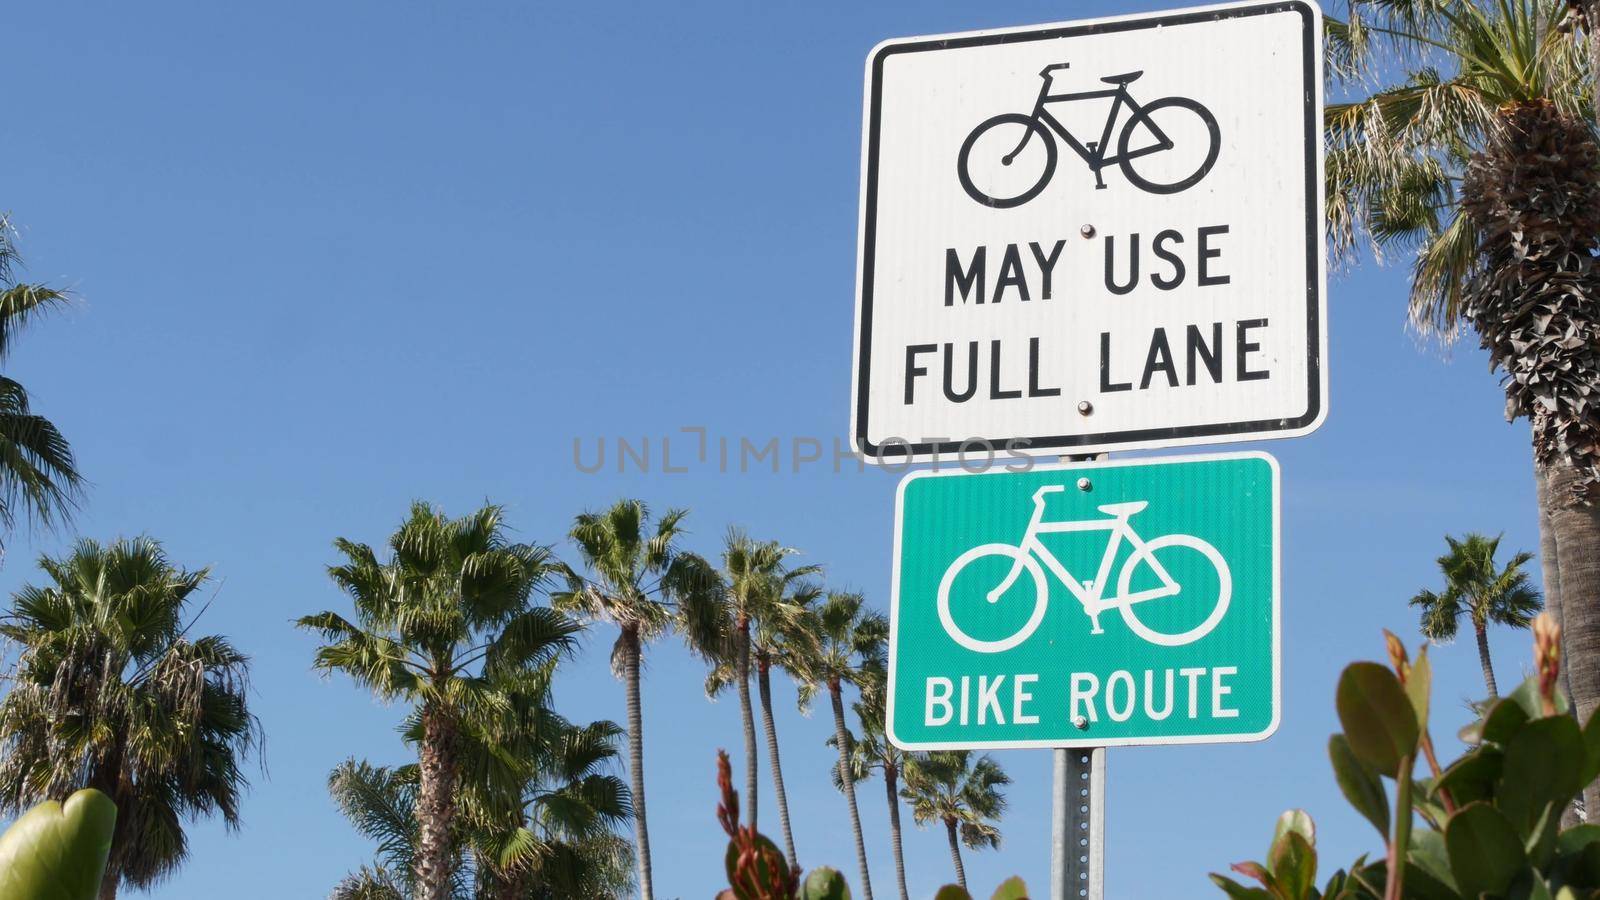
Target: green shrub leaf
(1544, 764)
(1359, 784)
(824, 883)
(1294, 864)
(952, 892)
(1378, 719)
(58, 851)
(1485, 852)
(1237, 891)
(1011, 889)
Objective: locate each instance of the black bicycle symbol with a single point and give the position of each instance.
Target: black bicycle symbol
(1173, 110)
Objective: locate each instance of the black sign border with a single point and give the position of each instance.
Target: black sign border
(1314, 324)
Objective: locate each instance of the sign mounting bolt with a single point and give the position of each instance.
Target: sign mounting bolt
(1087, 231)
(1085, 407)
(1081, 723)
(1084, 485)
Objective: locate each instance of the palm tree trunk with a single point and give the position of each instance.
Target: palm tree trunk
(107, 780)
(436, 803)
(641, 830)
(1577, 529)
(1552, 597)
(955, 852)
(891, 782)
(1482, 630)
(842, 737)
(764, 682)
(752, 784)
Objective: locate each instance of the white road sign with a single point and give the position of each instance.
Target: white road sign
(1093, 235)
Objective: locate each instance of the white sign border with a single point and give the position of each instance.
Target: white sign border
(1277, 611)
(893, 453)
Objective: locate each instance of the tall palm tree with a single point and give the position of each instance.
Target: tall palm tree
(38, 473)
(872, 751)
(558, 844)
(759, 604)
(1480, 589)
(952, 787)
(849, 648)
(1481, 156)
(639, 579)
(782, 639)
(440, 624)
(111, 691)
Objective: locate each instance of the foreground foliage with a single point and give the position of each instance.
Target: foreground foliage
(1487, 825)
(757, 870)
(58, 851)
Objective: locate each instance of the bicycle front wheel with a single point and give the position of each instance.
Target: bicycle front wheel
(1168, 146)
(1175, 554)
(1007, 160)
(1012, 556)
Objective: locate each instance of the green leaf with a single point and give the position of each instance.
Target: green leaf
(1540, 844)
(824, 883)
(1359, 784)
(1473, 777)
(1377, 716)
(1419, 683)
(1485, 852)
(1506, 717)
(1011, 889)
(1294, 865)
(1576, 838)
(1427, 853)
(952, 892)
(1235, 890)
(58, 851)
(1298, 821)
(1529, 886)
(1544, 764)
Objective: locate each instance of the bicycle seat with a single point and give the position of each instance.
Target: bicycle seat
(1124, 78)
(1124, 510)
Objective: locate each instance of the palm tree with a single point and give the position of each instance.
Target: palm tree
(781, 639)
(1477, 587)
(38, 474)
(553, 833)
(558, 843)
(441, 624)
(640, 580)
(1481, 155)
(849, 649)
(873, 752)
(110, 691)
(949, 786)
(760, 605)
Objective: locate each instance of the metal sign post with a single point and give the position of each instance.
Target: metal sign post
(1078, 810)
(1077, 846)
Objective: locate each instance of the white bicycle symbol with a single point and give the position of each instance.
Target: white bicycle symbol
(1091, 594)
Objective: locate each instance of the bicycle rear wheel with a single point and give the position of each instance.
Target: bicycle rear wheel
(993, 148)
(1012, 556)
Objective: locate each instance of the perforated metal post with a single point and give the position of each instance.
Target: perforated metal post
(1078, 814)
(1077, 855)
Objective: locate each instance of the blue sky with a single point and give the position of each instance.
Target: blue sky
(334, 257)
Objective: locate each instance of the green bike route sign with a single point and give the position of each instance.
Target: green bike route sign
(1086, 605)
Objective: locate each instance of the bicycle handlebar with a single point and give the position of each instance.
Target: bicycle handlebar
(1045, 72)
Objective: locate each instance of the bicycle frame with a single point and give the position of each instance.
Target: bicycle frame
(1093, 153)
(1089, 594)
